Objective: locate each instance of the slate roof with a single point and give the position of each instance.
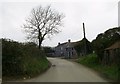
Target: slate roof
(62, 44)
(73, 43)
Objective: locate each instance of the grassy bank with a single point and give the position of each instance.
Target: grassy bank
(22, 60)
(91, 61)
(34, 66)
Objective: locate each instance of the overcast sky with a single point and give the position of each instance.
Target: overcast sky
(98, 16)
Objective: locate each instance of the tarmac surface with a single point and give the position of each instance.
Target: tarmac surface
(67, 71)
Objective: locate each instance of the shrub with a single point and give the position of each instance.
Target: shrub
(22, 59)
(89, 60)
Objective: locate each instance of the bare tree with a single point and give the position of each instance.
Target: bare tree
(42, 22)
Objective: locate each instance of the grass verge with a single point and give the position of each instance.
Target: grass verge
(91, 61)
(32, 68)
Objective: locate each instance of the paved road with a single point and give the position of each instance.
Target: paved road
(67, 71)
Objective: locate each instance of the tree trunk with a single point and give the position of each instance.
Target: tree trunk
(40, 42)
(40, 38)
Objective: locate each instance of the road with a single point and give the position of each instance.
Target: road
(67, 71)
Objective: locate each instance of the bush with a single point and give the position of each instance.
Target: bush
(89, 60)
(22, 59)
(80, 47)
(105, 40)
(11, 56)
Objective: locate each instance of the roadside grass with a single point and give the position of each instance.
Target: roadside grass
(91, 61)
(34, 66)
(31, 68)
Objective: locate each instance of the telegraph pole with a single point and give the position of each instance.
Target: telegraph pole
(84, 30)
(85, 43)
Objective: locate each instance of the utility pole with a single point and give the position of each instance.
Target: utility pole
(85, 43)
(84, 30)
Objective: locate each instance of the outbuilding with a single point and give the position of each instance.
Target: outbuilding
(112, 54)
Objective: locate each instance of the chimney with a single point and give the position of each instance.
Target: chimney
(69, 41)
(59, 43)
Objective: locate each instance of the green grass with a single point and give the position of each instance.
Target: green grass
(31, 67)
(35, 66)
(91, 61)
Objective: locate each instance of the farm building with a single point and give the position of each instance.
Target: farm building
(112, 54)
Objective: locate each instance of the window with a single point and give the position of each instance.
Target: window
(72, 48)
(61, 48)
(66, 49)
(72, 53)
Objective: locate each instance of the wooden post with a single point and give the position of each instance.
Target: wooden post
(85, 43)
(84, 30)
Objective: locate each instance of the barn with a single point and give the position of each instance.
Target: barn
(112, 54)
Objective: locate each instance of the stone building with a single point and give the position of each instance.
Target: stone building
(65, 50)
(73, 49)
